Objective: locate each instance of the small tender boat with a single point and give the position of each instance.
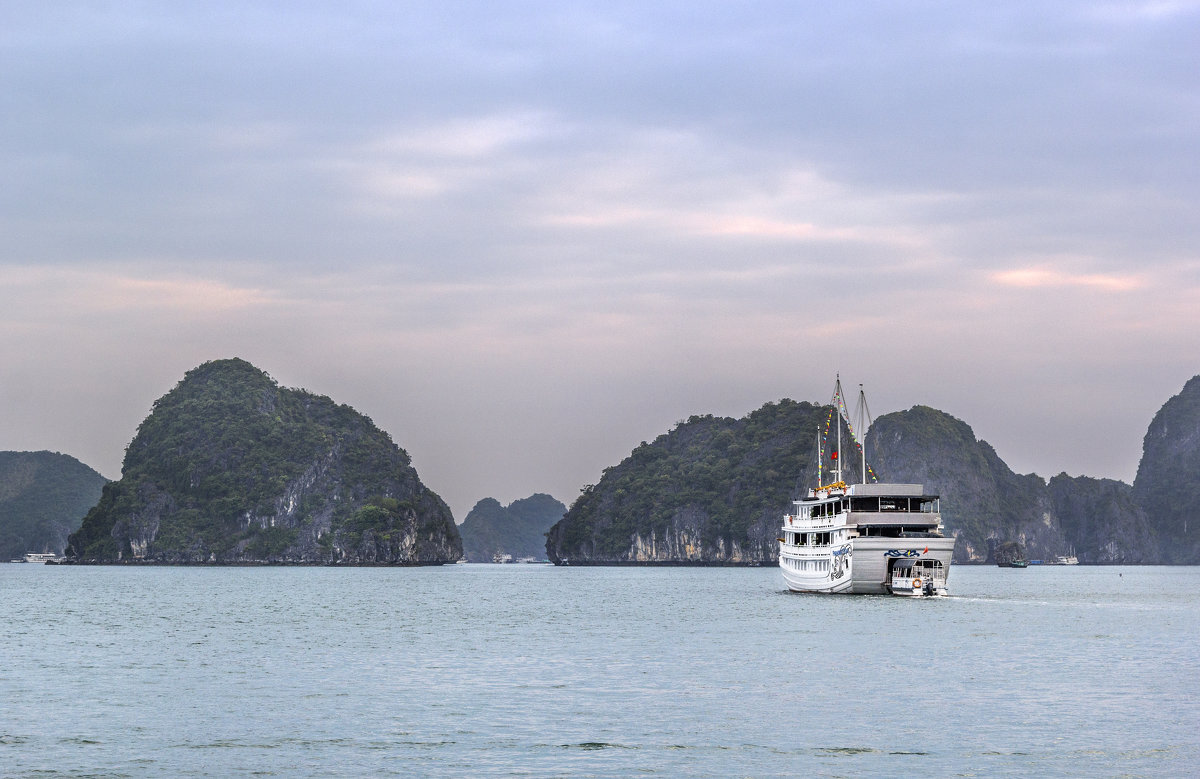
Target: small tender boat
(919, 577)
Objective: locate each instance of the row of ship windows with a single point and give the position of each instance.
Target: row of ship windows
(812, 539)
(806, 565)
(923, 505)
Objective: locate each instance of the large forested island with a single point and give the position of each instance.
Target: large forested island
(229, 467)
(713, 490)
(43, 497)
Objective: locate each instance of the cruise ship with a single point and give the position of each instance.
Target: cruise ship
(869, 538)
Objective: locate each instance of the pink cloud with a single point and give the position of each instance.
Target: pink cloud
(1048, 277)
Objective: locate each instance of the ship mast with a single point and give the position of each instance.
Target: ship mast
(857, 426)
(863, 417)
(840, 406)
(820, 456)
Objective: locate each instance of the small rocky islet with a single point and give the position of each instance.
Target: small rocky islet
(496, 533)
(43, 497)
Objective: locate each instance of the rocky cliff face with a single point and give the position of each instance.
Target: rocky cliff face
(1103, 521)
(1167, 486)
(43, 498)
(984, 504)
(518, 530)
(229, 467)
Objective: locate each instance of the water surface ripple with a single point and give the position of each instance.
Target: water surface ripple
(524, 670)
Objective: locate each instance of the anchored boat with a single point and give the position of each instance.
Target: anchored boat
(869, 538)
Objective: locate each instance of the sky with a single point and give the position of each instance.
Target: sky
(524, 237)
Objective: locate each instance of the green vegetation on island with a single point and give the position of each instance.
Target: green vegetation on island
(712, 490)
(231, 467)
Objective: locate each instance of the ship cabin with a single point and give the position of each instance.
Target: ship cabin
(893, 511)
(817, 523)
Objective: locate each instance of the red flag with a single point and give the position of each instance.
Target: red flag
(926, 551)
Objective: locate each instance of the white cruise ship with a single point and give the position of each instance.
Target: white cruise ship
(869, 538)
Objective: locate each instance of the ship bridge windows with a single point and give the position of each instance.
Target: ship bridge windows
(891, 504)
(828, 509)
(864, 504)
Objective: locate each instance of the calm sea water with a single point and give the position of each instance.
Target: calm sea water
(539, 671)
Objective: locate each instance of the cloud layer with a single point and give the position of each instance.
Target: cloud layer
(524, 238)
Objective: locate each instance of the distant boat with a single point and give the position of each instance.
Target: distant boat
(41, 557)
(1018, 563)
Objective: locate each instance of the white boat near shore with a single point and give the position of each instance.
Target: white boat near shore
(40, 557)
(868, 538)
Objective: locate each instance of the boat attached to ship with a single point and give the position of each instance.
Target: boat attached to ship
(870, 538)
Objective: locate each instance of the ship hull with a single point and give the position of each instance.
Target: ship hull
(822, 584)
(872, 561)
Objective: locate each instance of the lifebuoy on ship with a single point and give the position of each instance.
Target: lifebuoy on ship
(916, 584)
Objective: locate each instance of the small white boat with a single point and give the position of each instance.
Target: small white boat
(41, 557)
(1066, 559)
(918, 577)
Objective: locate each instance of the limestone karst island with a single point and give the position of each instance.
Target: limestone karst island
(231, 468)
